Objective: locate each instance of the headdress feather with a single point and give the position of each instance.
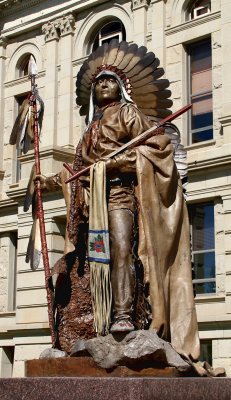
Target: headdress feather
(137, 69)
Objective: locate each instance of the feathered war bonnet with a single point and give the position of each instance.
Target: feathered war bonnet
(136, 72)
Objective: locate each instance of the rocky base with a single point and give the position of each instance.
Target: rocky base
(130, 349)
(120, 354)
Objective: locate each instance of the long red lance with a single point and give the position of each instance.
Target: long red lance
(39, 203)
(132, 143)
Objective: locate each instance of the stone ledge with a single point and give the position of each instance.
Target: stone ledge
(115, 388)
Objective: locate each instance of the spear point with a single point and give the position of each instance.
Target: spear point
(32, 67)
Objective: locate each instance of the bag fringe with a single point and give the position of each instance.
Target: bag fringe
(101, 295)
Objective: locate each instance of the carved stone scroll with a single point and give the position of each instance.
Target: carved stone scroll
(59, 27)
(140, 3)
(50, 31)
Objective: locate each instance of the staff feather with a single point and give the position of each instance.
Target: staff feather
(22, 133)
(25, 134)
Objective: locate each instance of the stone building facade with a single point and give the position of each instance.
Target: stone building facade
(192, 40)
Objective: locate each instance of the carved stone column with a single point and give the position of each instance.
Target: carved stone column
(66, 25)
(3, 44)
(51, 83)
(140, 8)
(158, 24)
(226, 68)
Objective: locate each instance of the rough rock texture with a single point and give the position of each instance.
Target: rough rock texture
(130, 349)
(52, 353)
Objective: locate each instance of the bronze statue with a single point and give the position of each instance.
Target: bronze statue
(128, 220)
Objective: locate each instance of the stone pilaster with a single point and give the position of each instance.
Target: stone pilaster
(227, 251)
(51, 84)
(226, 68)
(158, 25)
(3, 45)
(140, 8)
(66, 26)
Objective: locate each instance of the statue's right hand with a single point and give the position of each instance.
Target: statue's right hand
(42, 179)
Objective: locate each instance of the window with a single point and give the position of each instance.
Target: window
(200, 88)
(203, 247)
(111, 30)
(23, 66)
(19, 100)
(200, 8)
(13, 247)
(206, 351)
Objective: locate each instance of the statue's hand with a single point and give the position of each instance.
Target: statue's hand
(42, 179)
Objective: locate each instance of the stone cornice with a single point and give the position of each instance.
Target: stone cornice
(3, 41)
(23, 79)
(7, 203)
(212, 162)
(208, 193)
(10, 6)
(225, 121)
(49, 13)
(195, 22)
(58, 153)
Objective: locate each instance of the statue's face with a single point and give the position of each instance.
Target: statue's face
(106, 90)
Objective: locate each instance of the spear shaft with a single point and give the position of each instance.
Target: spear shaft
(39, 210)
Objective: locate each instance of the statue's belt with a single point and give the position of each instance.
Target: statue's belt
(121, 181)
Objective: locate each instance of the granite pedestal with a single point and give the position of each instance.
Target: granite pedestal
(115, 388)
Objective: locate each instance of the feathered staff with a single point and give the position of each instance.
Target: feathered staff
(24, 134)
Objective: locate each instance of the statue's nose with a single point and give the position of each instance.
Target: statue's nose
(104, 82)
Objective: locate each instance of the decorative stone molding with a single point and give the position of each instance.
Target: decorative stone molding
(50, 31)
(140, 3)
(59, 27)
(9, 6)
(191, 24)
(9, 3)
(3, 41)
(224, 123)
(66, 24)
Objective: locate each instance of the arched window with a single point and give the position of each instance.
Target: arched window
(23, 65)
(199, 8)
(110, 30)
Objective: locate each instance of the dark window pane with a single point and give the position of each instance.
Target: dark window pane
(206, 351)
(204, 265)
(207, 287)
(110, 28)
(202, 135)
(201, 91)
(202, 120)
(202, 219)
(200, 7)
(203, 243)
(201, 56)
